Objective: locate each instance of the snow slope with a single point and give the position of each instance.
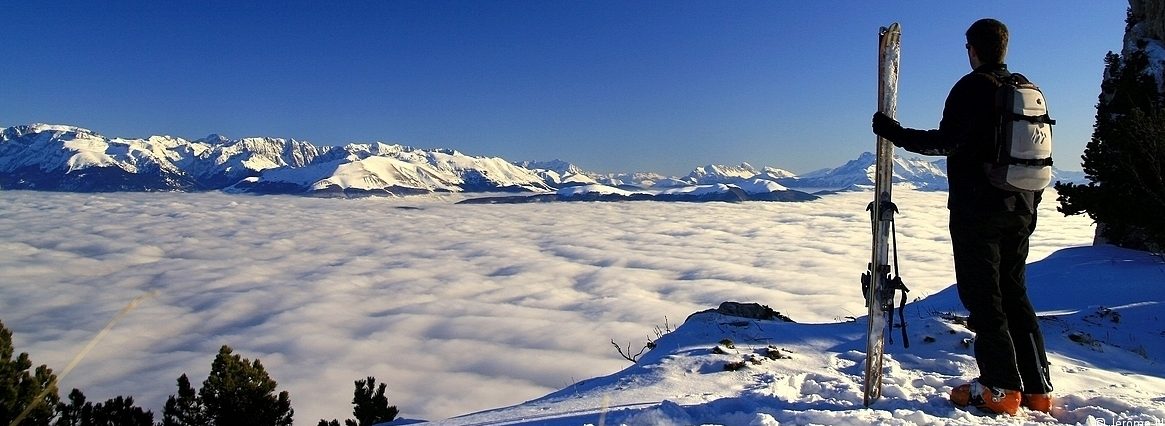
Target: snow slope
(1101, 309)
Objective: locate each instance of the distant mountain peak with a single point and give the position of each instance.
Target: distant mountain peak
(18, 131)
(716, 173)
(558, 166)
(215, 139)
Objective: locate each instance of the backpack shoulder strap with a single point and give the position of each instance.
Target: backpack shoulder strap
(1019, 79)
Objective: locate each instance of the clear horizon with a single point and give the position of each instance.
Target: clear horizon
(609, 86)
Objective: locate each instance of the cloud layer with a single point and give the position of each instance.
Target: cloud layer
(457, 308)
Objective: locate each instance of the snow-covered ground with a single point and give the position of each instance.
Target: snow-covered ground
(1105, 340)
(461, 308)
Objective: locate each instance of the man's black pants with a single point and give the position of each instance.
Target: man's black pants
(990, 261)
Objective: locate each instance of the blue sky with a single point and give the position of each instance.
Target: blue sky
(611, 86)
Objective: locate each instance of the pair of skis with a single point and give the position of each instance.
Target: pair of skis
(877, 284)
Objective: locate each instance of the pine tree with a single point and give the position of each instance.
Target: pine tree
(369, 407)
(186, 409)
(239, 392)
(77, 412)
(118, 411)
(20, 388)
(1125, 160)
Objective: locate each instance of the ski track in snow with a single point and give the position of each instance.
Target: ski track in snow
(458, 308)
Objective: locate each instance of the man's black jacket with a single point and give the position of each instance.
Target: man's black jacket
(966, 136)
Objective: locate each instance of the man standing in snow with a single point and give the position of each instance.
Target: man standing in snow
(989, 234)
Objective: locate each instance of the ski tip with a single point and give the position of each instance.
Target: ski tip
(894, 27)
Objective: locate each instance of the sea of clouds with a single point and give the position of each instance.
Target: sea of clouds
(458, 308)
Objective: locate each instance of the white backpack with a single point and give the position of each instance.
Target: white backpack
(1023, 137)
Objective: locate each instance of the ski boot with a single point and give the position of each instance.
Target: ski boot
(995, 400)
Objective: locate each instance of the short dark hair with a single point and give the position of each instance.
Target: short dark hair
(989, 38)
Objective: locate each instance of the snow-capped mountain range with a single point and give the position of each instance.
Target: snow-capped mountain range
(69, 158)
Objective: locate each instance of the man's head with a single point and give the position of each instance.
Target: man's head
(987, 42)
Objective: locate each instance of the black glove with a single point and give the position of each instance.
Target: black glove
(886, 127)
